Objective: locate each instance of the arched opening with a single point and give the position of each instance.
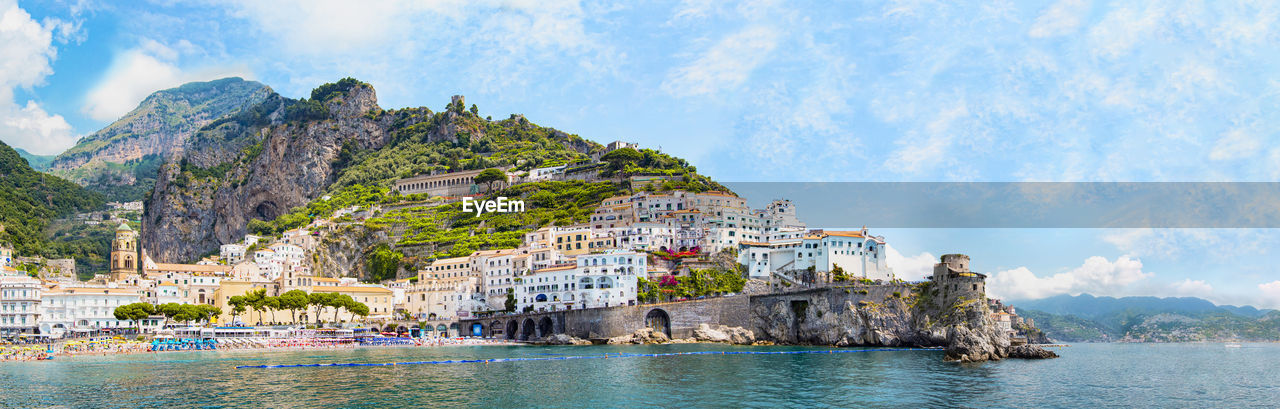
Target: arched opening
(527, 329)
(495, 329)
(659, 321)
(512, 327)
(443, 330)
(545, 327)
(540, 298)
(390, 328)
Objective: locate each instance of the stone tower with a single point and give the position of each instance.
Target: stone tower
(955, 281)
(124, 253)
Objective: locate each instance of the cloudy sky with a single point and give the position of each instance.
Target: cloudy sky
(910, 90)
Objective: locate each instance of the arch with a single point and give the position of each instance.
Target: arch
(390, 328)
(527, 329)
(495, 329)
(659, 320)
(540, 298)
(512, 327)
(545, 327)
(443, 330)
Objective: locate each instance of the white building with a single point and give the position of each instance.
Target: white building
(590, 281)
(232, 254)
(860, 255)
(75, 310)
(19, 304)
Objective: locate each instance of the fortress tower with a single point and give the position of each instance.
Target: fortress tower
(953, 278)
(124, 253)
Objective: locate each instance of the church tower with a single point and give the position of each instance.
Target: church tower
(124, 253)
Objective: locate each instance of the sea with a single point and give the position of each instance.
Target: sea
(683, 375)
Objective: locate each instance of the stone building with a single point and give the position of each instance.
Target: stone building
(124, 253)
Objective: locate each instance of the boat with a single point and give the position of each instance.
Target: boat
(1232, 346)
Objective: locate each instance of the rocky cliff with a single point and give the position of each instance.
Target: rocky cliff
(154, 131)
(208, 197)
(884, 315)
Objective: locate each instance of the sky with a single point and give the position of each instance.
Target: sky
(909, 90)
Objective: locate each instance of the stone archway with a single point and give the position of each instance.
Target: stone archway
(546, 327)
(495, 329)
(527, 329)
(512, 327)
(659, 320)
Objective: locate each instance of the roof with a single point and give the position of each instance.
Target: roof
(844, 233)
(349, 289)
(124, 227)
(557, 268)
(453, 260)
(325, 279)
(193, 268)
(93, 290)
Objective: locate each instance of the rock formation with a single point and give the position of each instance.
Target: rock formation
(724, 334)
(950, 311)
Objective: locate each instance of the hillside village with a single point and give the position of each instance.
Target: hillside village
(636, 247)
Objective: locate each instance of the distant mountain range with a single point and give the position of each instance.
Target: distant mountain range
(1148, 319)
(39, 163)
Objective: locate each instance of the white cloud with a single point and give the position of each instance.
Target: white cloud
(136, 73)
(725, 65)
(1097, 276)
(912, 268)
(1062, 18)
(1270, 293)
(1237, 143)
(1193, 288)
(26, 56)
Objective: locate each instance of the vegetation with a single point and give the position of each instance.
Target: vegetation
(30, 199)
(382, 263)
(697, 284)
(135, 312)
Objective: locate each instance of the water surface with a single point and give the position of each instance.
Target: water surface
(1103, 375)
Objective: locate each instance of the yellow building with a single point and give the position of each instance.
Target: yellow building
(124, 253)
(378, 299)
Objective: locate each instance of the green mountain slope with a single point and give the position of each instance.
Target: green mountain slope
(30, 199)
(122, 159)
(38, 162)
(287, 162)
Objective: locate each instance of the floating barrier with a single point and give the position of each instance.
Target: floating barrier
(605, 356)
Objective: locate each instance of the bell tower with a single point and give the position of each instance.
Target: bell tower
(124, 253)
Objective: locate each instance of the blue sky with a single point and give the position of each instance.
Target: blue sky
(1066, 90)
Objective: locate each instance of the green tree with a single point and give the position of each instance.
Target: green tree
(135, 312)
(256, 299)
(170, 311)
(238, 304)
(294, 300)
(510, 304)
(620, 159)
(489, 177)
(340, 301)
(359, 309)
(319, 301)
(272, 304)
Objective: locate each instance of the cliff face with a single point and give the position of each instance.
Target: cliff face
(886, 315)
(282, 165)
(158, 128)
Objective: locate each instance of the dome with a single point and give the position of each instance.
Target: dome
(124, 227)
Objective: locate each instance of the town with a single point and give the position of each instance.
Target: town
(636, 248)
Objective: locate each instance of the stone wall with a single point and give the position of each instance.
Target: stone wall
(681, 318)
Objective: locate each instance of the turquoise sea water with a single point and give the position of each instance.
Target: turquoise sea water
(1088, 375)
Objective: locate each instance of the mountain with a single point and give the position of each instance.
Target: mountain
(38, 162)
(30, 199)
(282, 163)
(1148, 319)
(122, 159)
(1088, 306)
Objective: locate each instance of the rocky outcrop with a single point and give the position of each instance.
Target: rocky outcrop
(565, 339)
(641, 336)
(1030, 352)
(160, 125)
(292, 164)
(724, 334)
(886, 315)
